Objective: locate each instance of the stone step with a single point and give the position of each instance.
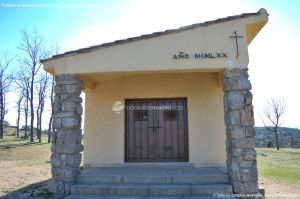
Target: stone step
(79, 196)
(155, 179)
(150, 190)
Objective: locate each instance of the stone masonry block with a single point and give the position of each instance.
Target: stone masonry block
(247, 163)
(70, 97)
(74, 160)
(68, 82)
(237, 151)
(64, 174)
(236, 132)
(234, 170)
(56, 123)
(254, 173)
(229, 85)
(66, 77)
(58, 89)
(244, 84)
(228, 147)
(68, 132)
(233, 73)
(247, 116)
(244, 73)
(245, 174)
(68, 106)
(249, 154)
(71, 122)
(235, 100)
(244, 143)
(65, 114)
(67, 142)
(63, 160)
(225, 103)
(71, 89)
(57, 104)
(232, 118)
(55, 160)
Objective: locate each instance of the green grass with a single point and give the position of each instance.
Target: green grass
(25, 152)
(282, 165)
(12, 141)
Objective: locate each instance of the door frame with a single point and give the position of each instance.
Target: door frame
(186, 129)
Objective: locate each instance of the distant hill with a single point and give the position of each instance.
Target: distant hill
(288, 137)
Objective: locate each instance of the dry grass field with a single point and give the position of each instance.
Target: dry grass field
(22, 163)
(25, 167)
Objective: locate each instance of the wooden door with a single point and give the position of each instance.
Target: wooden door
(156, 130)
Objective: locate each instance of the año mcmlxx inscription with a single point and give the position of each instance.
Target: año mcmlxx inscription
(201, 55)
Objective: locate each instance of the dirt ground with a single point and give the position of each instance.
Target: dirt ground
(279, 190)
(23, 164)
(13, 178)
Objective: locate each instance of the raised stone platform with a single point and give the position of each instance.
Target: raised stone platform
(151, 182)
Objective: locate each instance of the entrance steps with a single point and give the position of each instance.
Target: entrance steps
(132, 182)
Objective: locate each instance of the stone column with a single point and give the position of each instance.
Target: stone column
(239, 121)
(66, 140)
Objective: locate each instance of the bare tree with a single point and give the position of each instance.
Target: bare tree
(25, 110)
(33, 49)
(23, 83)
(272, 116)
(5, 82)
(41, 92)
(19, 103)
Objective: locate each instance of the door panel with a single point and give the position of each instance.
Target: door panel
(156, 134)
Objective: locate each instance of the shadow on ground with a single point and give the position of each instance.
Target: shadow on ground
(8, 146)
(34, 191)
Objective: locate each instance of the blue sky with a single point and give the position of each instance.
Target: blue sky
(273, 67)
(54, 23)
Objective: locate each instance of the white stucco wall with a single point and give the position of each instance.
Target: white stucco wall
(105, 129)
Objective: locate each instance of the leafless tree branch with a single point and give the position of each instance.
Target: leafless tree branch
(273, 116)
